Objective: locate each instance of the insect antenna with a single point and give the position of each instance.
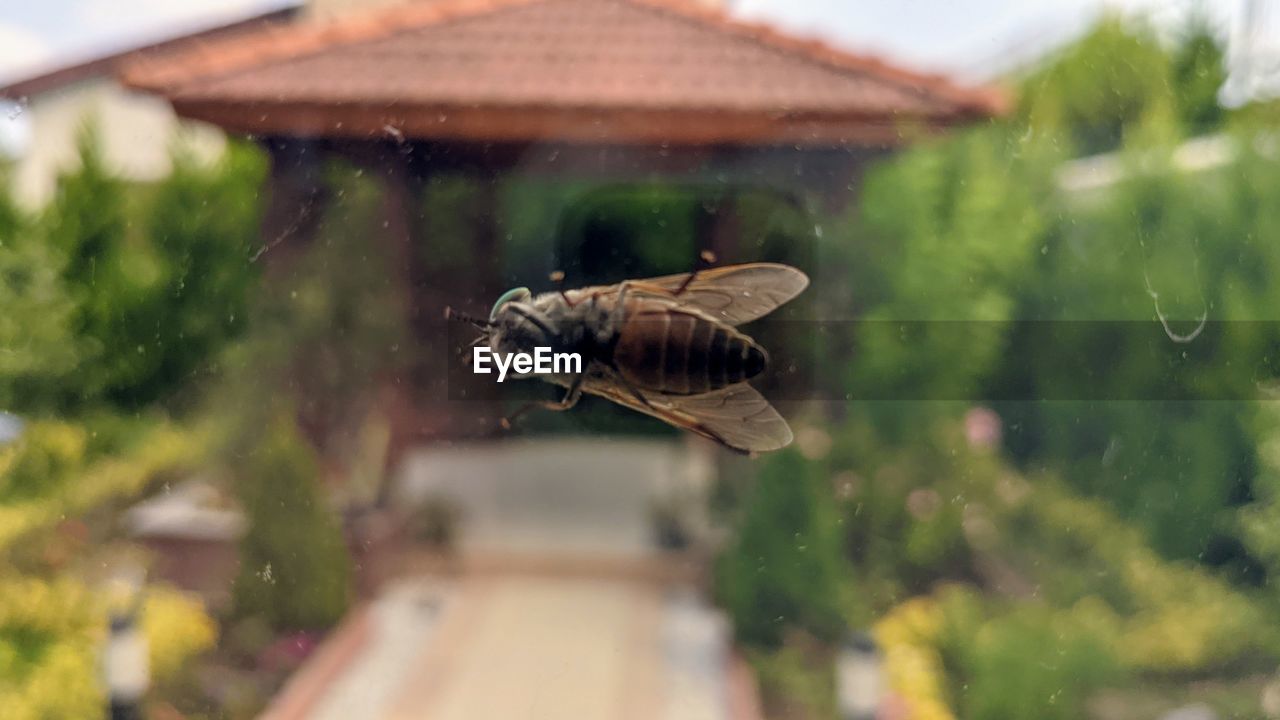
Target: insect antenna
(483, 324)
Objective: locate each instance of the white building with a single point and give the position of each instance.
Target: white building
(137, 130)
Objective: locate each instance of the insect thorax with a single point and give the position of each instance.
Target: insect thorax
(548, 321)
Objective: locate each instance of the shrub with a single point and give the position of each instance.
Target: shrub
(294, 567)
(784, 569)
(908, 636)
(1172, 616)
(1030, 660)
(36, 325)
(51, 635)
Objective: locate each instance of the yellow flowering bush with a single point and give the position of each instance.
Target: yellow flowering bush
(52, 627)
(1171, 616)
(51, 635)
(177, 628)
(47, 475)
(907, 636)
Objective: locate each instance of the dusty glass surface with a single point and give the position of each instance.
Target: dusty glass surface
(899, 395)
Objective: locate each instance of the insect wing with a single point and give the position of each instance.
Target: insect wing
(734, 294)
(736, 416)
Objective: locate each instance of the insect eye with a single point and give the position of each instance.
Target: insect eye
(520, 294)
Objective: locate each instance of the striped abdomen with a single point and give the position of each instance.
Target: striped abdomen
(681, 353)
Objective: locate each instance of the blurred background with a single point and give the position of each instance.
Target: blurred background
(243, 472)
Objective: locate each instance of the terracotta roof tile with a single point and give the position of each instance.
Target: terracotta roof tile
(580, 56)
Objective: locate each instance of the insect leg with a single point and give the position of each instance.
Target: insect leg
(466, 359)
(571, 397)
(557, 277)
(640, 398)
(705, 258)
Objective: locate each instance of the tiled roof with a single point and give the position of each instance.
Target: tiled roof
(110, 64)
(573, 68)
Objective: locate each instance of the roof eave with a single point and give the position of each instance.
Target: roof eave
(168, 75)
(529, 124)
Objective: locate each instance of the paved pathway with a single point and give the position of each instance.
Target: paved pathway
(539, 648)
(401, 623)
(557, 614)
(554, 496)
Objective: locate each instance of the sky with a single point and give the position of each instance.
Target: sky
(961, 36)
(970, 39)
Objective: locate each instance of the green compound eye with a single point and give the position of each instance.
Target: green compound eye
(520, 294)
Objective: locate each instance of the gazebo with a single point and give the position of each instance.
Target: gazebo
(598, 90)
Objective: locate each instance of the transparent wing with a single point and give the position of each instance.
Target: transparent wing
(736, 416)
(733, 294)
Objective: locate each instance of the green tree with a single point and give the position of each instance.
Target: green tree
(294, 568)
(87, 223)
(952, 227)
(1198, 73)
(1258, 520)
(784, 570)
(158, 275)
(1091, 92)
(1161, 247)
(201, 223)
(38, 350)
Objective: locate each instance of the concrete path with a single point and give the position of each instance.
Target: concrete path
(555, 496)
(401, 622)
(513, 646)
(560, 607)
(542, 648)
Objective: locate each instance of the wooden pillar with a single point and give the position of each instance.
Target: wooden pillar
(404, 392)
(476, 407)
(297, 197)
(486, 231)
(416, 397)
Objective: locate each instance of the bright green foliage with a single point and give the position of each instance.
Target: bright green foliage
(1107, 572)
(796, 680)
(158, 277)
(784, 569)
(1259, 520)
(1174, 465)
(1060, 596)
(200, 224)
(945, 232)
(1094, 93)
(1199, 71)
(38, 349)
(1091, 93)
(1027, 660)
(87, 221)
(58, 470)
(1167, 616)
(294, 564)
(87, 224)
